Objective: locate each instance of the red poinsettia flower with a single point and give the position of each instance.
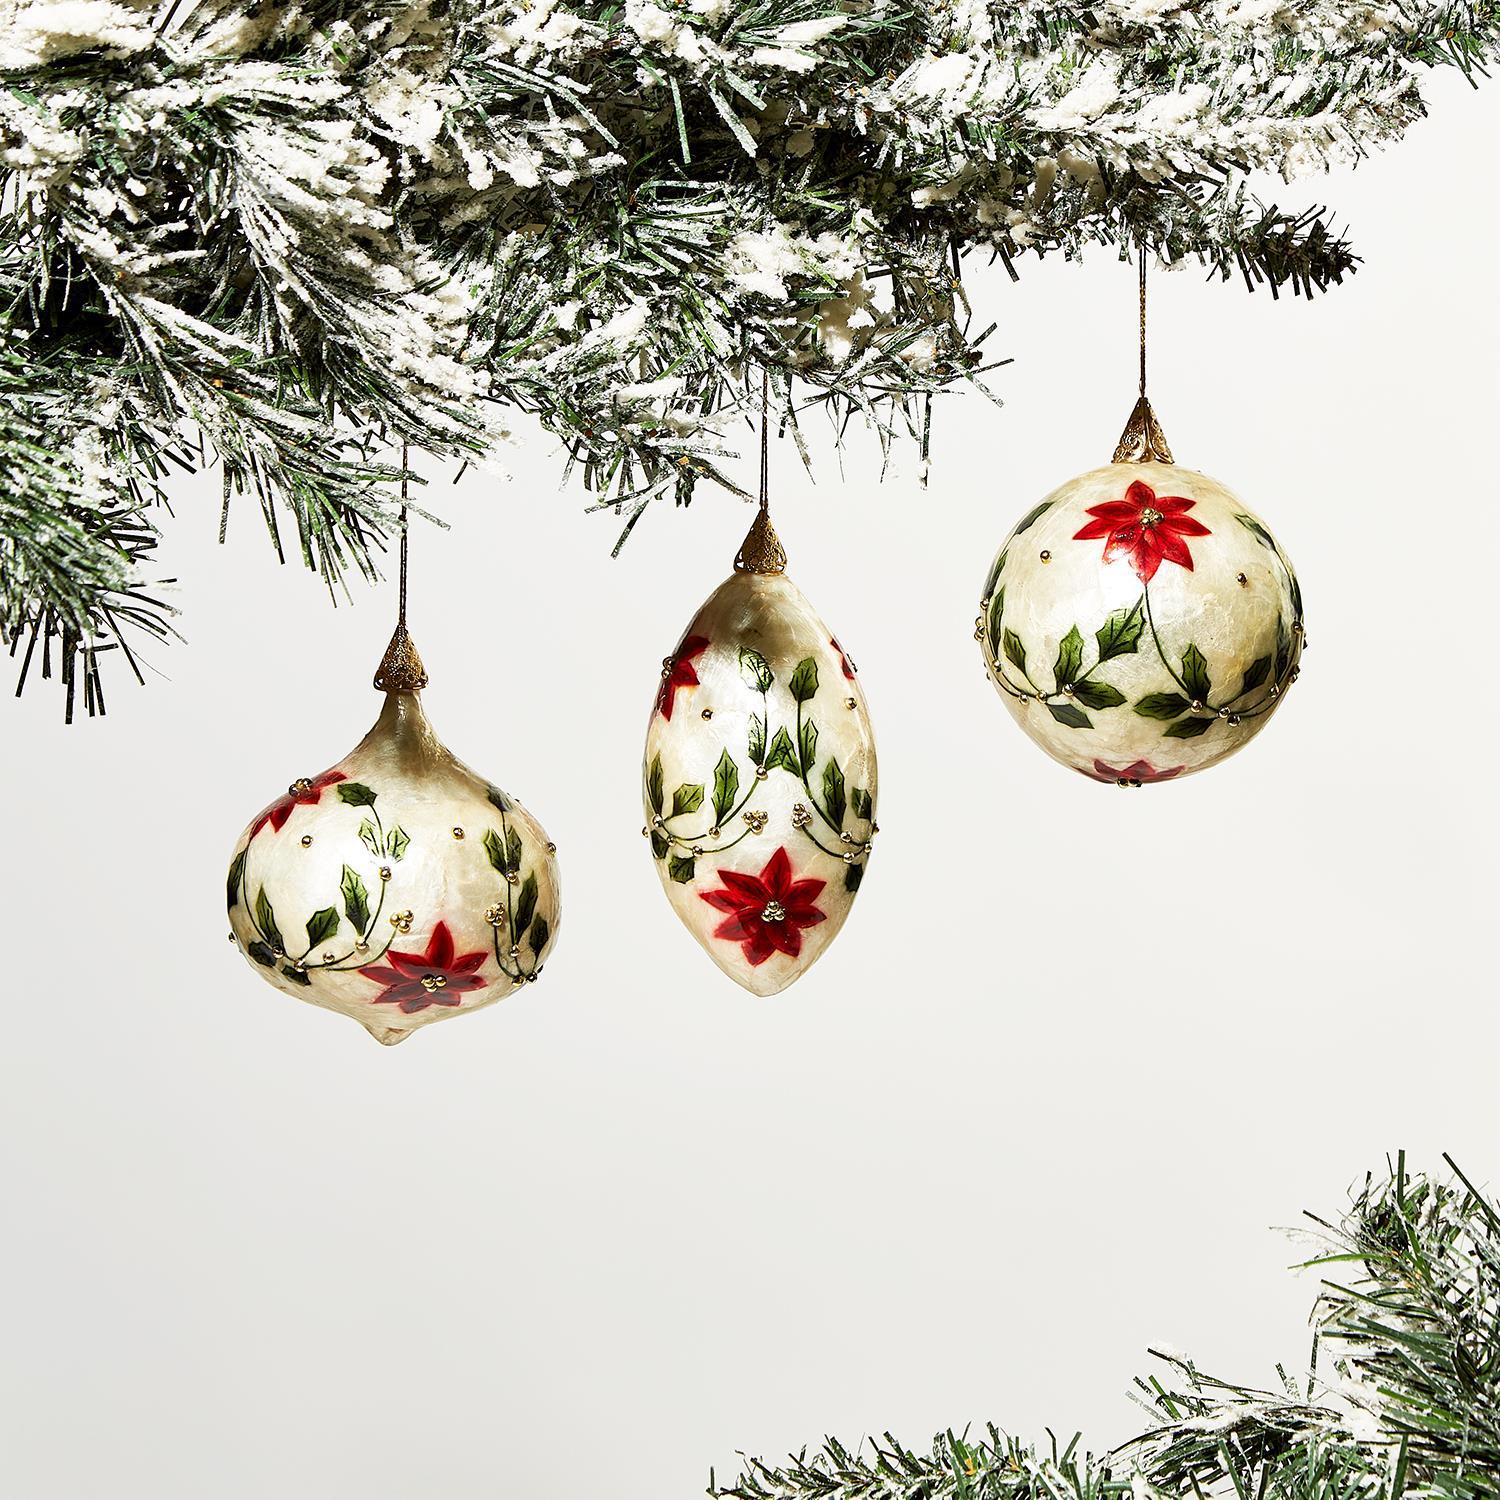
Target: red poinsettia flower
(1145, 527)
(303, 793)
(437, 977)
(1136, 772)
(679, 672)
(844, 661)
(767, 912)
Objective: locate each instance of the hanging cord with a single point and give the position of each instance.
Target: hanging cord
(761, 551)
(401, 669)
(1143, 317)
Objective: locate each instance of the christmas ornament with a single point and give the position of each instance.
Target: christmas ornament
(759, 772)
(400, 887)
(1141, 622)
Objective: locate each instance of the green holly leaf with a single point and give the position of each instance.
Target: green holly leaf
(853, 875)
(1069, 661)
(1015, 652)
(680, 868)
(726, 786)
(369, 837)
(512, 851)
(859, 800)
(1161, 705)
(757, 746)
(833, 792)
(397, 842)
(321, 926)
(1120, 634)
(1032, 517)
(687, 798)
(996, 568)
(804, 683)
(782, 754)
(541, 930)
(1255, 674)
(1069, 714)
(654, 791)
(263, 955)
(1189, 728)
(265, 919)
(356, 900)
(1258, 531)
(808, 745)
(237, 877)
(296, 975)
(494, 848)
(1097, 694)
(1195, 676)
(755, 669)
(499, 799)
(997, 611)
(525, 904)
(659, 844)
(356, 794)
(1283, 649)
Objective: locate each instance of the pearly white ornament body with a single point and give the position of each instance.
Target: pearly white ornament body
(399, 887)
(1141, 623)
(760, 781)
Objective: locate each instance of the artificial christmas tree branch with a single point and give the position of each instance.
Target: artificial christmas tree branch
(1403, 1398)
(254, 234)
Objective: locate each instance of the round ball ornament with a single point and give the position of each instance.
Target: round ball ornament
(759, 775)
(1141, 623)
(399, 887)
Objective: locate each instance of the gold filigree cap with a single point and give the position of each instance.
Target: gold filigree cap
(761, 551)
(1143, 441)
(401, 669)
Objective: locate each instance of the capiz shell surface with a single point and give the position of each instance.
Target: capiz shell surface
(398, 888)
(760, 781)
(1141, 623)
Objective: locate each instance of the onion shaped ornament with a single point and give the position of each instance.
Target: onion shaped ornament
(399, 887)
(759, 775)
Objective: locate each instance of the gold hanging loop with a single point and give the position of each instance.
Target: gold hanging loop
(761, 551)
(401, 669)
(1142, 441)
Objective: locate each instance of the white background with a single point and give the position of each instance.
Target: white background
(1075, 1054)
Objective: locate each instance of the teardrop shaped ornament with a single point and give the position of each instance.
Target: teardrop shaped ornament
(760, 780)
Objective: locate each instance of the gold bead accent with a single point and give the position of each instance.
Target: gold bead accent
(385, 872)
(401, 921)
(713, 833)
(1196, 705)
(1046, 555)
(515, 950)
(874, 826)
(458, 833)
(1240, 579)
(761, 773)
(773, 911)
(328, 958)
(708, 713)
(848, 859)
(757, 821)
(801, 816)
(362, 946)
(697, 849)
(512, 878)
(850, 703)
(233, 938)
(299, 786)
(551, 847)
(1234, 719)
(495, 915)
(307, 841)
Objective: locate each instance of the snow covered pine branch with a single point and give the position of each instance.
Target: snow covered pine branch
(1403, 1399)
(278, 237)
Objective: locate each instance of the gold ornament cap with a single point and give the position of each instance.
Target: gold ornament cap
(401, 669)
(761, 551)
(1143, 441)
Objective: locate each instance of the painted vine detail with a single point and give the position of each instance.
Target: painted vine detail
(413, 981)
(1146, 529)
(824, 819)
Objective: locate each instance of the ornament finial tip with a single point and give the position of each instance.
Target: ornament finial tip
(401, 669)
(1143, 441)
(761, 551)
